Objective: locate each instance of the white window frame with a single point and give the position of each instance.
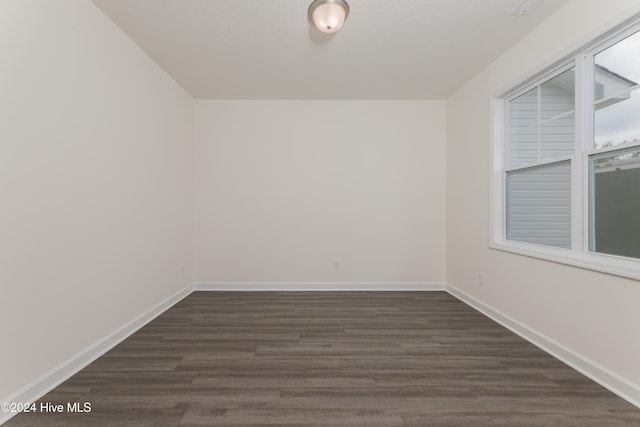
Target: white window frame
(579, 255)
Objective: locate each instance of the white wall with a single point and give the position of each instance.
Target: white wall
(593, 314)
(285, 188)
(96, 184)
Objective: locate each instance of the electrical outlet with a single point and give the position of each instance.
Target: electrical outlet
(336, 265)
(481, 279)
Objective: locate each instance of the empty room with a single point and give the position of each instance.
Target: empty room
(320, 212)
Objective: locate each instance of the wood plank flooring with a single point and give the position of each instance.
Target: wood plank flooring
(330, 359)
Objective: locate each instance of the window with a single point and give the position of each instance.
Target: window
(541, 125)
(614, 195)
(567, 160)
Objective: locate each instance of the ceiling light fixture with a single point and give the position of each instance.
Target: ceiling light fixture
(328, 15)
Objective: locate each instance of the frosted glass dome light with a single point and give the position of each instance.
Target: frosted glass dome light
(328, 15)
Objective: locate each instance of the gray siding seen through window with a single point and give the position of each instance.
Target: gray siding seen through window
(541, 129)
(539, 205)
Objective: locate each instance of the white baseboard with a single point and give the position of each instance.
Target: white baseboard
(603, 376)
(56, 376)
(318, 286)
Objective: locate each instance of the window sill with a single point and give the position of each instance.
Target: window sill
(608, 264)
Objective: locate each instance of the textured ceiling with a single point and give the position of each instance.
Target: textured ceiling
(387, 49)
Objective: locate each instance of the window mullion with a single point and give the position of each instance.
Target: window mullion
(578, 164)
(586, 146)
(539, 122)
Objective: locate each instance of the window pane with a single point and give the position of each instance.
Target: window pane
(541, 121)
(539, 205)
(615, 203)
(616, 98)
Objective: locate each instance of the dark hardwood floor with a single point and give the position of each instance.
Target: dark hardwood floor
(330, 358)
